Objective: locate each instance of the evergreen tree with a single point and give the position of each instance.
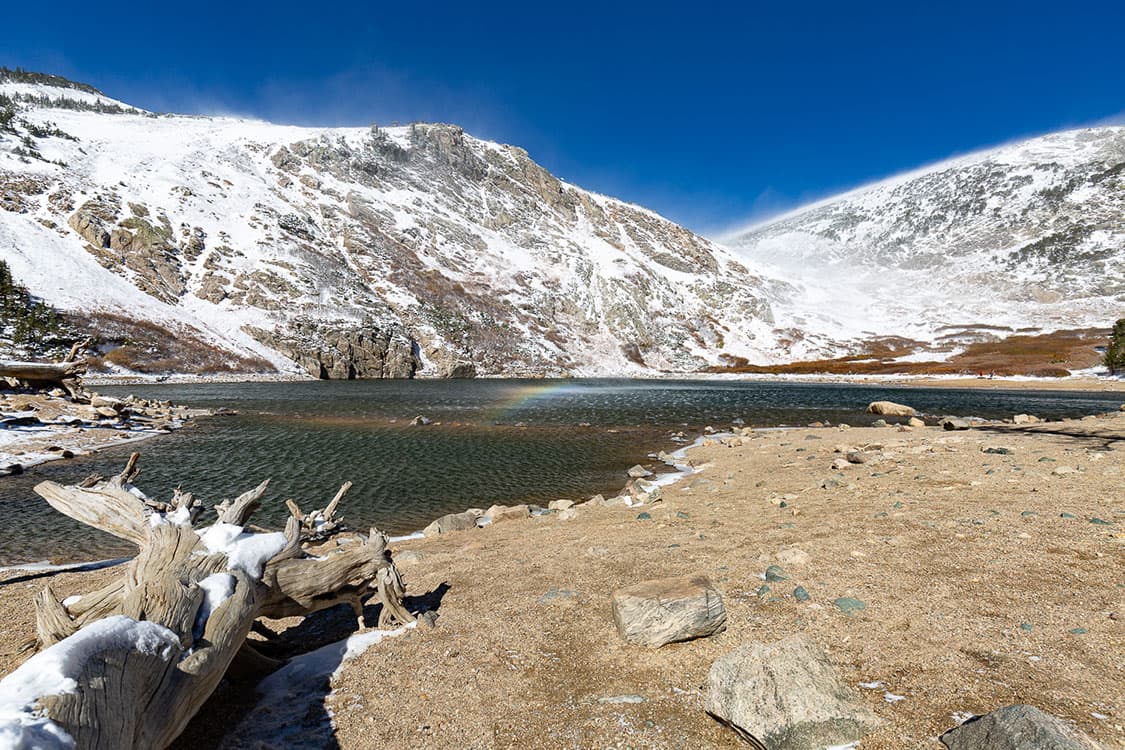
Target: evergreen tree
(1115, 352)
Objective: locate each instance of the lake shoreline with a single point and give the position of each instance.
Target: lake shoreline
(1080, 382)
(986, 578)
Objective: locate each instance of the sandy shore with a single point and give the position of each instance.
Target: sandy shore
(979, 593)
(988, 579)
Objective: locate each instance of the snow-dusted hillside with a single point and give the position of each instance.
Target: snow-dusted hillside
(1030, 235)
(358, 251)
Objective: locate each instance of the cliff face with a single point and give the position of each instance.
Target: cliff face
(365, 252)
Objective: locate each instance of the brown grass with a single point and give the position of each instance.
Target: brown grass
(146, 347)
(1043, 355)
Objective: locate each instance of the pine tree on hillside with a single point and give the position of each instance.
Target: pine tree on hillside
(1115, 352)
(27, 323)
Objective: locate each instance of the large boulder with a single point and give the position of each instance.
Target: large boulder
(890, 409)
(451, 522)
(667, 610)
(1017, 727)
(786, 695)
(499, 513)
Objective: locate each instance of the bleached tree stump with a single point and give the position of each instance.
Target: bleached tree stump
(129, 665)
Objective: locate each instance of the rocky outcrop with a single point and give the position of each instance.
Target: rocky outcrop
(345, 350)
(786, 695)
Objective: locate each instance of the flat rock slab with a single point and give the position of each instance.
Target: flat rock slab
(667, 610)
(1017, 727)
(786, 695)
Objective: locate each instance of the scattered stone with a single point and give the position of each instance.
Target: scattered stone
(501, 513)
(879, 423)
(857, 457)
(1063, 470)
(560, 504)
(1064, 514)
(800, 594)
(915, 422)
(840, 464)
(952, 423)
(1026, 627)
(420, 420)
(644, 516)
(890, 409)
(829, 484)
(786, 695)
(999, 450)
(1017, 727)
(1100, 521)
(1025, 419)
(556, 595)
(451, 522)
(616, 699)
(658, 612)
(427, 620)
(849, 605)
(639, 472)
(775, 573)
(408, 557)
(792, 556)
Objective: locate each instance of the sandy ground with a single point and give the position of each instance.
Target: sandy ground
(951, 549)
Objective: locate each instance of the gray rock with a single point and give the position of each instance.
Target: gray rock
(451, 522)
(890, 409)
(501, 513)
(420, 420)
(638, 472)
(857, 457)
(953, 423)
(879, 423)
(1017, 727)
(654, 613)
(408, 557)
(786, 695)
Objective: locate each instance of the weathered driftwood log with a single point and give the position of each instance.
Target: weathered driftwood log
(129, 665)
(318, 525)
(46, 375)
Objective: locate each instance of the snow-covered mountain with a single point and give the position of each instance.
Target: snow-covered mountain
(211, 243)
(1028, 235)
(353, 252)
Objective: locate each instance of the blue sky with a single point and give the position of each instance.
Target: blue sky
(710, 113)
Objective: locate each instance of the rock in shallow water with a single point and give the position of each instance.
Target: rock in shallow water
(1017, 727)
(786, 696)
(658, 612)
(890, 409)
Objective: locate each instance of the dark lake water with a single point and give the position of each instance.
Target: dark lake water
(499, 441)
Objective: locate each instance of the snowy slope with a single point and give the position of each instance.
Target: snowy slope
(1029, 235)
(358, 251)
